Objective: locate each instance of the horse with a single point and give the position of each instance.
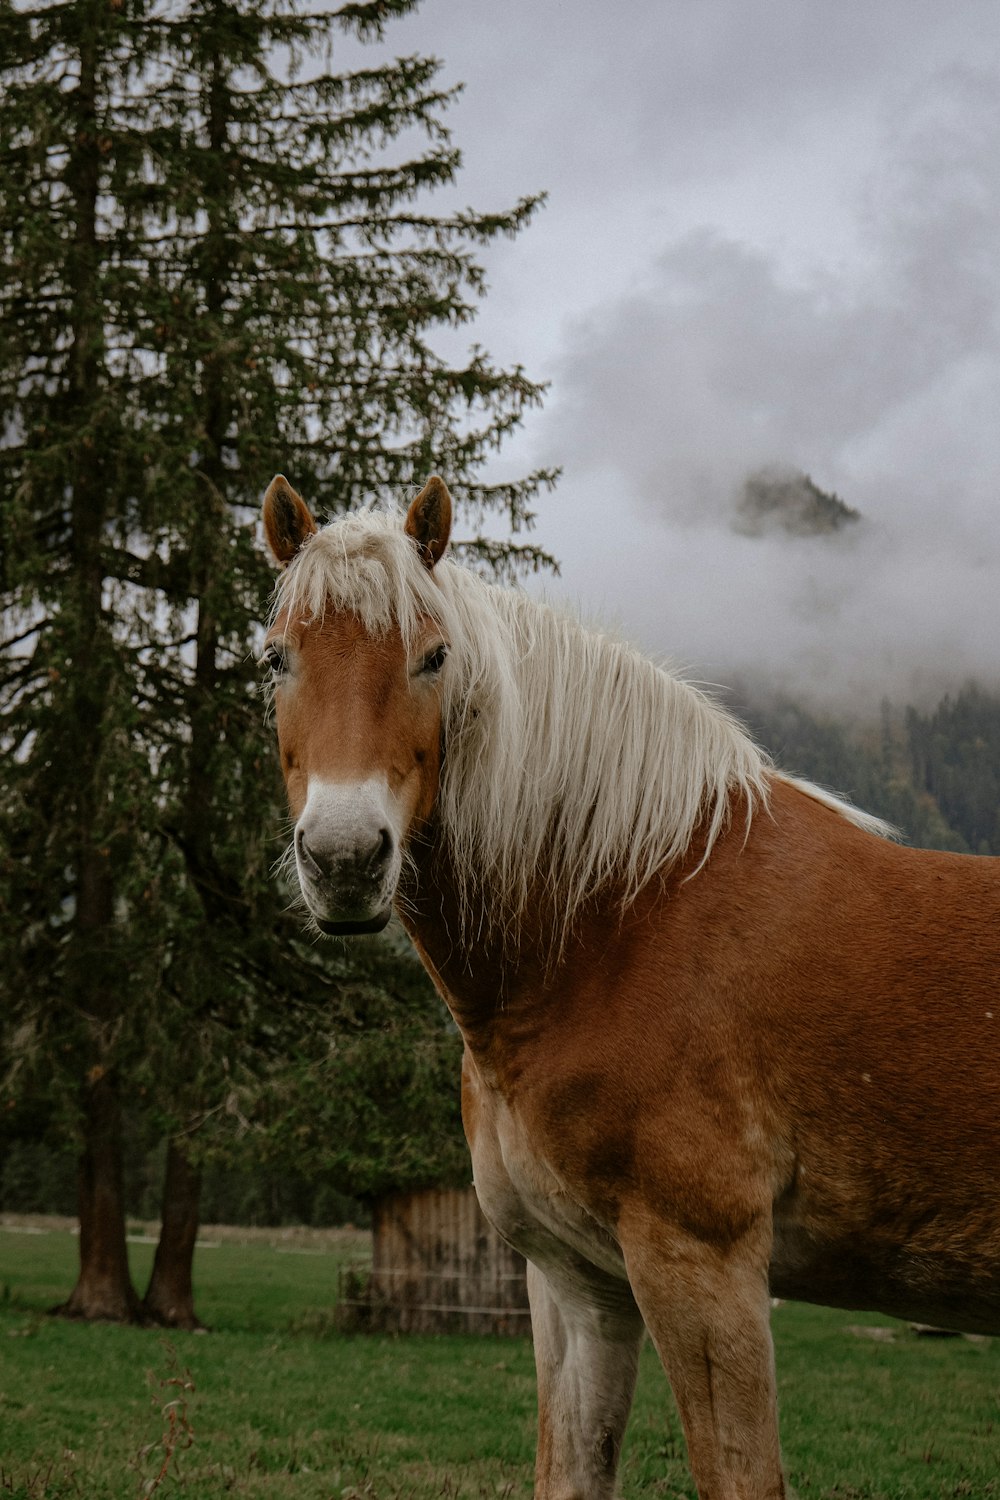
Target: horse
(725, 1040)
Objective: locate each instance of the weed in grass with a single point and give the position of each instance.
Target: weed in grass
(316, 1323)
(177, 1432)
(28, 1329)
(43, 1482)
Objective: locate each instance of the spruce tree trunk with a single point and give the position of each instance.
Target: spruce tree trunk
(104, 1287)
(96, 984)
(169, 1298)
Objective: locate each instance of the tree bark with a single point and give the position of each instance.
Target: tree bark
(104, 1287)
(169, 1298)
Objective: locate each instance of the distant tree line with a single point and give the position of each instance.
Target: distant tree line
(363, 1101)
(935, 775)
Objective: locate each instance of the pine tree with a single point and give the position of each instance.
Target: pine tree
(217, 258)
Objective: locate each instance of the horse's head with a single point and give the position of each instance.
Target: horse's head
(358, 713)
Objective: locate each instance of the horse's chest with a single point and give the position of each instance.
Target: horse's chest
(523, 1195)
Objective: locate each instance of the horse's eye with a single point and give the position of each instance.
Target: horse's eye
(274, 659)
(434, 660)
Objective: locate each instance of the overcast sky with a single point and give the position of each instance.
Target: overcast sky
(772, 237)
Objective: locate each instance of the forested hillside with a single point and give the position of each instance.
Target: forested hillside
(934, 774)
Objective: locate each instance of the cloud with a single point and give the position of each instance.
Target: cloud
(880, 380)
(643, 124)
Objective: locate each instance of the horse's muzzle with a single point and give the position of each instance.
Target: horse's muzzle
(347, 859)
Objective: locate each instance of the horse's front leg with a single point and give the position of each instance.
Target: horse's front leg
(587, 1333)
(707, 1307)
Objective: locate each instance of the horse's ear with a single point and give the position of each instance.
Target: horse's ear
(287, 521)
(428, 520)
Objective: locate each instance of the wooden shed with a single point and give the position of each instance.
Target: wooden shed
(437, 1267)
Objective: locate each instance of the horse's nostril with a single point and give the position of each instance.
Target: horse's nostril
(383, 848)
(303, 851)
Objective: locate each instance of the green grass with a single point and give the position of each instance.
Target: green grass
(281, 1406)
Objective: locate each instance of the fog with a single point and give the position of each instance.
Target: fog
(882, 383)
(773, 239)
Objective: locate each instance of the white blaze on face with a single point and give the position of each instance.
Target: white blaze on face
(347, 847)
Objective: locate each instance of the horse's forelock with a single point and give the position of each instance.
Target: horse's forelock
(366, 565)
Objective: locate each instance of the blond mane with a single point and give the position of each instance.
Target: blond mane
(572, 763)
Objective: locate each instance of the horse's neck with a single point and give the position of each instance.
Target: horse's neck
(480, 969)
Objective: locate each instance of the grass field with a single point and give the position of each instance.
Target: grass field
(275, 1403)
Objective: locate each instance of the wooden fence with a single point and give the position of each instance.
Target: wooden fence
(437, 1267)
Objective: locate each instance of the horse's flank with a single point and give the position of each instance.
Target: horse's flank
(573, 763)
